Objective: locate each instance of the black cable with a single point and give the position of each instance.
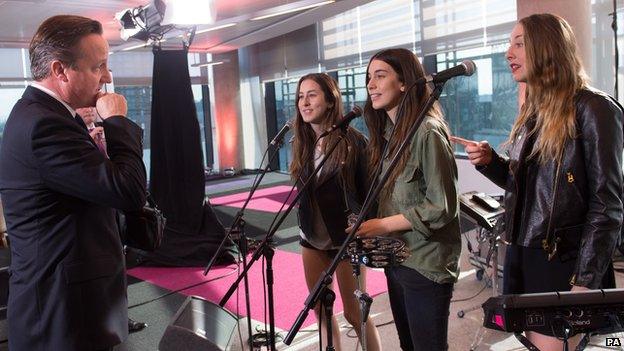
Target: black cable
(486, 278)
(351, 333)
(475, 295)
(182, 289)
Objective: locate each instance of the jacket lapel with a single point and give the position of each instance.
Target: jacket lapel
(34, 94)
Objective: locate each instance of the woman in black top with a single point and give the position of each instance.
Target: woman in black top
(563, 173)
(336, 192)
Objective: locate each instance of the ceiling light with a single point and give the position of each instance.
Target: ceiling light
(215, 28)
(189, 12)
(210, 63)
(282, 10)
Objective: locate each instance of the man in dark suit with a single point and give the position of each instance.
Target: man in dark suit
(67, 285)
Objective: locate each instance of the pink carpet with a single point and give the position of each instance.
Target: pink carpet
(267, 199)
(290, 287)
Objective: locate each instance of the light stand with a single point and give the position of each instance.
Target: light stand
(368, 203)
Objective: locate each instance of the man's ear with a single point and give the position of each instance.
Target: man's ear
(58, 70)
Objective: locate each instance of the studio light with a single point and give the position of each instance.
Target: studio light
(144, 22)
(152, 21)
(189, 12)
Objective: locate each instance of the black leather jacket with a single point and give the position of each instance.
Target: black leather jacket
(572, 209)
(334, 200)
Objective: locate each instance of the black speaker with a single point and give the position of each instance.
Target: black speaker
(199, 325)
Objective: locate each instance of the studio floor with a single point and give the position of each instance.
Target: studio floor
(152, 300)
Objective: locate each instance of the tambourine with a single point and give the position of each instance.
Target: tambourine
(378, 252)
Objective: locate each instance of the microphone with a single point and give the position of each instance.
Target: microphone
(353, 114)
(280, 135)
(466, 68)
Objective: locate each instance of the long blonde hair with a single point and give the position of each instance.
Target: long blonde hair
(554, 75)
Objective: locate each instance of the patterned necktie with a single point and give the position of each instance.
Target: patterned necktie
(100, 141)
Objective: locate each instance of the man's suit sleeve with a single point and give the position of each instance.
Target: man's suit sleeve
(70, 163)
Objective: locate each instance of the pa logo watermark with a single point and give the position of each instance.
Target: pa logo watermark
(613, 341)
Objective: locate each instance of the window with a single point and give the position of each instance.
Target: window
(285, 108)
(352, 83)
(8, 98)
(139, 111)
(485, 105)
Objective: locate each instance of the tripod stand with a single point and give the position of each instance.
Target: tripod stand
(482, 265)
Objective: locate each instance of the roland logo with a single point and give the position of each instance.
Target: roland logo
(580, 322)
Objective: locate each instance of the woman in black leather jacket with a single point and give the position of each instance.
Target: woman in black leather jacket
(563, 173)
(336, 192)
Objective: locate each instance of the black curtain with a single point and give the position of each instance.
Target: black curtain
(177, 182)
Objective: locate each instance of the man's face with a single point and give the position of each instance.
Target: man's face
(85, 80)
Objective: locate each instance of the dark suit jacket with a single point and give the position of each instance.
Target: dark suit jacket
(67, 287)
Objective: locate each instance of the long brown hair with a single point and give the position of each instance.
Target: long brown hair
(554, 75)
(409, 69)
(344, 156)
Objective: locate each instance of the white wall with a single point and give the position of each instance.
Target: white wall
(470, 179)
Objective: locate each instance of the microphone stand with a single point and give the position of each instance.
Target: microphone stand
(265, 248)
(237, 226)
(325, 278)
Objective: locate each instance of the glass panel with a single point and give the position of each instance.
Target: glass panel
(285, 91)
(199, 107)
(354, 93)
(8, 98)
(140, 112)
(484, 106)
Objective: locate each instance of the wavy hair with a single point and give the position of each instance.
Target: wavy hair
(409, 69)
(554, 75)
(344, 156)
